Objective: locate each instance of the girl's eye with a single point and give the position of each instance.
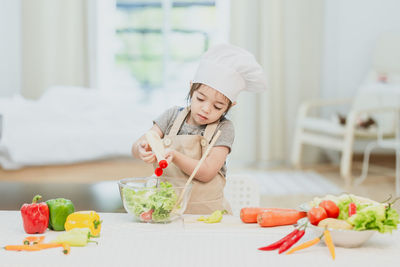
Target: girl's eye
(217, 108)
(200, 99)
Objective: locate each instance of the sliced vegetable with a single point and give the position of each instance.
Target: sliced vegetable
(161, 200)
(215, 217)
(33, 240)
(279, 217)
(375, 217)
(352, 209)
(335, 224)
(146, 216)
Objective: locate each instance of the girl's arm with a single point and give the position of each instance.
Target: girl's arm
(141, 148)
(208, 169)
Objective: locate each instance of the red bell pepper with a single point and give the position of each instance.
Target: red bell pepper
(35, 216)
(352, 209)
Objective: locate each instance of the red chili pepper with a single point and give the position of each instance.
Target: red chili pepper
(35, 216)
(278, 243)
(352, 208)
(288, 243)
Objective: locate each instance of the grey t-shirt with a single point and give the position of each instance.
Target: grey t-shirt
(166, 120)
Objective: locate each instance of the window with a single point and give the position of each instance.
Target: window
(156, 45)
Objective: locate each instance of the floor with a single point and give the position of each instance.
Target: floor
(93, 185)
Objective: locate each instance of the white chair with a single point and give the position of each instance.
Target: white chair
(325, 133)
(241, 191)
(385, 143)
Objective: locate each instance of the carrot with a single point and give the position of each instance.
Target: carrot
(304, 245)
(22, 247)
(49, 245)
(40, 246)
(66, 248)
(33, 239)
(249, 214)
(329, 242)
(279, 217)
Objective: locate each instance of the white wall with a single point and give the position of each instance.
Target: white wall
(351, 29)
(10, 47)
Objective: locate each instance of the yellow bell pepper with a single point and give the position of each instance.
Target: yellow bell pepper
(84, 219)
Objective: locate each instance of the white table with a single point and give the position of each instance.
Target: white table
(189, 243)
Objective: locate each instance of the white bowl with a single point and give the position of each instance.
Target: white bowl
(341, 238)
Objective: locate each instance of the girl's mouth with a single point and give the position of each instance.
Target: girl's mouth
(202, 117)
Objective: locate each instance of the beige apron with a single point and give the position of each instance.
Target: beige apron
(205, 197)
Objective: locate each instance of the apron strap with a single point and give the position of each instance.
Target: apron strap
(178, 121)
(210, 131)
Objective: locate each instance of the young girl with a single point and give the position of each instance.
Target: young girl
(224, 72)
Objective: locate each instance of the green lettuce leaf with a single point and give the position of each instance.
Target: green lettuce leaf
(160, 200)
(375, 217)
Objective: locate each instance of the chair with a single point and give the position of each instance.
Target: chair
(325, 133)
(241, 191)
(385, 143)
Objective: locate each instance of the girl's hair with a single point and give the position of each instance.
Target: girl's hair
(195, 87)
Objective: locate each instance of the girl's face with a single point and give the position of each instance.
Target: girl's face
(207, 105)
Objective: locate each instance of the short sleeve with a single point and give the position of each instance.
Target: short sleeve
(165, 120)
(227, 134)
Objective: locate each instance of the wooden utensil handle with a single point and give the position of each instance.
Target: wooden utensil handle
(156, 145)
(203, 157)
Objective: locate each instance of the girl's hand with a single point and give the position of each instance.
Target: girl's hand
(169, 155)
(145, 152)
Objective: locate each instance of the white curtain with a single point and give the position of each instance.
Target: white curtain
(286, 38)
(54, 45)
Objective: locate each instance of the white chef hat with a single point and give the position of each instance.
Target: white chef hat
(230, 69)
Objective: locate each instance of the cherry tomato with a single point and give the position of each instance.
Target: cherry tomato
(163, 164)
(330, 207)
(146, 216)
(316, 214)
(158, 171)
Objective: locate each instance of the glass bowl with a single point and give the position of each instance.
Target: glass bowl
(340, 237)
(152, 199)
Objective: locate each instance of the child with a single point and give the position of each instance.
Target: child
(224, 71)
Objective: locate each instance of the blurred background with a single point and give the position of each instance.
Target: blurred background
(81, 80)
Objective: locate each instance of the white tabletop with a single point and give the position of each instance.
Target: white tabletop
(189, 242)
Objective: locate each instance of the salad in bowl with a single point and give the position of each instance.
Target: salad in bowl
(351, 219)
(154, 200)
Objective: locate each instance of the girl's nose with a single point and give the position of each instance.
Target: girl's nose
(206, 107)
